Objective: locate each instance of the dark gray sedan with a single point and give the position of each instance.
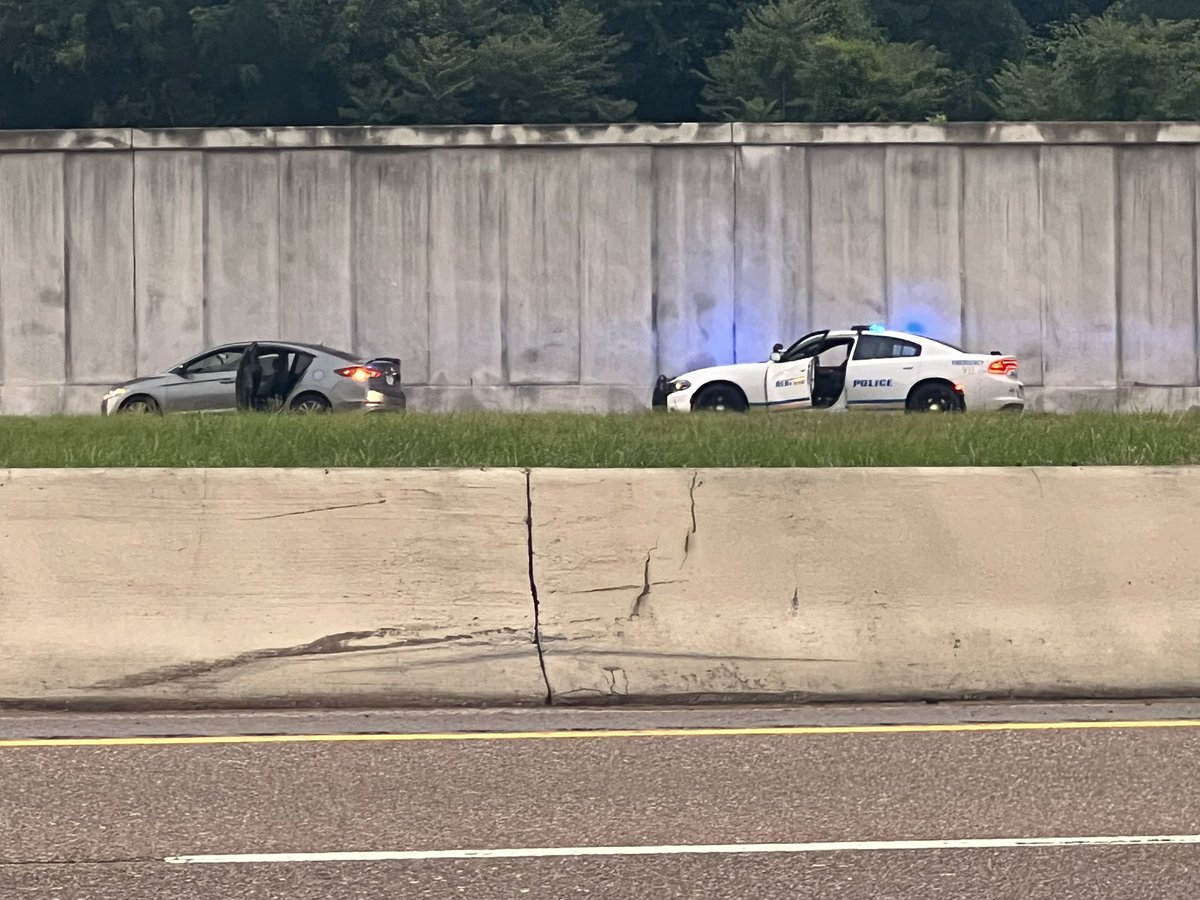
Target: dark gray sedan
(264, 376)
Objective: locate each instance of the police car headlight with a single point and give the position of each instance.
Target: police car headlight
(680, 385)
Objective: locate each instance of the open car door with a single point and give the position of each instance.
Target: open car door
(249, 376)
(789, 384)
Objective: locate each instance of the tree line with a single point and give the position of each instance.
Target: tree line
(186, 63)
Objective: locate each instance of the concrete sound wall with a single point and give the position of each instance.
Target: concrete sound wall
(543, 268)
(178, 588)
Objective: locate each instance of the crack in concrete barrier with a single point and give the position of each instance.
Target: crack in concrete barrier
(533, 591)
(636, 612)
(687, 540)
(331, 644)
(319, 509)
(613, 674)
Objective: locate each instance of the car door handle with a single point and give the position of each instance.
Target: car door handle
(906, 368)
(232, 380)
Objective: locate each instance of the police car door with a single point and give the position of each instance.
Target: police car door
(789, 384)
(881, 372)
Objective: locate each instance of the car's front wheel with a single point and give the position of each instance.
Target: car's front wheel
(935, 397)
(140, 404)
(311, 403)
(720, 398)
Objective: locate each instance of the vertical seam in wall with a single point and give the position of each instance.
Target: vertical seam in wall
(1043, 153)
(205, 252)
(352, 250)
(133, 236)
(1041, 203)
(66, 295)
(809, 300)
(580, 267)
(3, 342)
(1195, 277)
(533, 591)
(883, 234)
(429, 175)
(733, 237)
(502, 200)
(654, 204)
(280, 162)
(962, 244)
(1118, 270)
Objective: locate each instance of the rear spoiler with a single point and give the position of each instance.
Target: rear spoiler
(391, 361)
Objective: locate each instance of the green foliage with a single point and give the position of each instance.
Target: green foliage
(559, 69)
(99, 62)
(467, 61)
(668, 42)
(147, 63)
(1043, 15)
(1109, 69)
(977, 38)
(824, 60)
(1133, 10)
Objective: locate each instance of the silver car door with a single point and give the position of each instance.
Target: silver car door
(206, 384)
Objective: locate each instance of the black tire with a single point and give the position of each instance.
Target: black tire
(140, 404)
(936, 396)
(311, 403)
(720, 398)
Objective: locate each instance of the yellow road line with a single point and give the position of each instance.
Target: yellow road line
(582, 734)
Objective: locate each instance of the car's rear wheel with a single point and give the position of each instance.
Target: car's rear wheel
(140, 404)
(720, 398)
(934, 397)
(311, 403)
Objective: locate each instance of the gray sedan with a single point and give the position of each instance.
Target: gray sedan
(264, 376)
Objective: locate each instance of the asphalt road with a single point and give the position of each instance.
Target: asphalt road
(113, 818)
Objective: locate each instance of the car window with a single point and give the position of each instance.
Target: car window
(272, 361)
(225, 360)
(804, 347)
(833, 354)
(876, 346)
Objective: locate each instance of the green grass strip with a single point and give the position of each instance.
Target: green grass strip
(807, 439)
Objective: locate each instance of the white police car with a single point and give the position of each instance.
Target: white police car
(864, 367)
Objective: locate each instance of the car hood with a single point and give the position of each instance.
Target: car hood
(731, 372)
(145, 380)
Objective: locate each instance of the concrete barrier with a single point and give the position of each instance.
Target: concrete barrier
(137, 588)
(127, 589)
(879, 584)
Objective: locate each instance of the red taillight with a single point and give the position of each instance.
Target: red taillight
(359, 373)
(1004, 366)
